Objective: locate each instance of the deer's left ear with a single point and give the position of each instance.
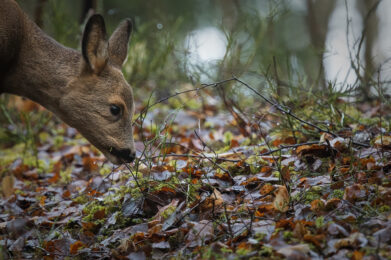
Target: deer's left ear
(118, 43)
(94, 44)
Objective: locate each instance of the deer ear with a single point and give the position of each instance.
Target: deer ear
(94, 44)
(118, 43)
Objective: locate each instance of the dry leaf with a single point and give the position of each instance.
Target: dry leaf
(7, 186)
(281, 200)
(74, 248)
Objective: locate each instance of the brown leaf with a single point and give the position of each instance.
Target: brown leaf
(355, 240)
(299, 251)
(284, 140)
(357, 255)
(355, 192)
(383, 141)
(317, 240)
(162, 214)
(332, 204)
(317, 205)
(90, 164)
(300, 230)
(7, 186)
(55, 178)
(215, 200)
(74, 248)
(266, 189)
(281, 200)
(100, 214)
(318, 150)
(264, 209)
(42, 201)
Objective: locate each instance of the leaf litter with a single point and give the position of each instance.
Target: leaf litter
(202, 188)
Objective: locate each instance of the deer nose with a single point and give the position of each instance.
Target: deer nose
(126, 155)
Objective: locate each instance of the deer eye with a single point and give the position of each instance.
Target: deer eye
(115, 110)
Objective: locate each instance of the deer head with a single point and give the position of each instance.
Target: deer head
(99, 101)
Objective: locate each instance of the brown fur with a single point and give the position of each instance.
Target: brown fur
(79, 88)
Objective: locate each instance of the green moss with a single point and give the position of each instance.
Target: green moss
(319, 222)
(58, 141)
(259, 236)
(105, 169)
(316, 188)
(266, 251)
(243, 251)
(384, 208)
(91, 209)
(310, 196)
(66, 175)
(43, 137)
(82, 199)
(168, 212)
(287, 235)
(338, 194)
(276, 174)
(228, 137)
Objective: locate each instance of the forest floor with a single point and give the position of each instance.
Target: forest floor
(210, 183)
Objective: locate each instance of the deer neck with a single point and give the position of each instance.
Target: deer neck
(43, 68)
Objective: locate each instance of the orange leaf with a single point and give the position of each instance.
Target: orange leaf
(266, 189)
(314, 149)
(138, 236)
(74, 248)
(357, 255)
(266, 169)
(90, 164)
(167, 189)
(55, 178)
(285, 140)
(263, 209)
(50, 246)
(285, 223)
(42, 201)
(344, 170)
(316, 240)
(66, 194)
(317, 205)
(234, 143)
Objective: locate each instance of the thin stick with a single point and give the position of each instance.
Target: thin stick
(289, 112)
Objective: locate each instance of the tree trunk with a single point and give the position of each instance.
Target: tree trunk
(38, 12)
(369, 33)
(88, 6)
(319, 12)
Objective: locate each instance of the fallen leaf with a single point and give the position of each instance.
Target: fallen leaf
(201, 233)
(7, 186)
(355, 192)
(74, 248)
(281, 200)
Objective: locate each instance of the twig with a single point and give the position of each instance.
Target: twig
(215, 84)
(289, 112)
(203, 156)
(216, 156)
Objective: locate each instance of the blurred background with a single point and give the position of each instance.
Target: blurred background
(284, 47)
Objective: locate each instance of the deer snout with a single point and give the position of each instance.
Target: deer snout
(125, 155)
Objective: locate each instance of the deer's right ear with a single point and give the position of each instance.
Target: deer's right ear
(118, 43)
(94, 44)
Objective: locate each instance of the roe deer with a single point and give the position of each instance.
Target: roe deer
(86, 90)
